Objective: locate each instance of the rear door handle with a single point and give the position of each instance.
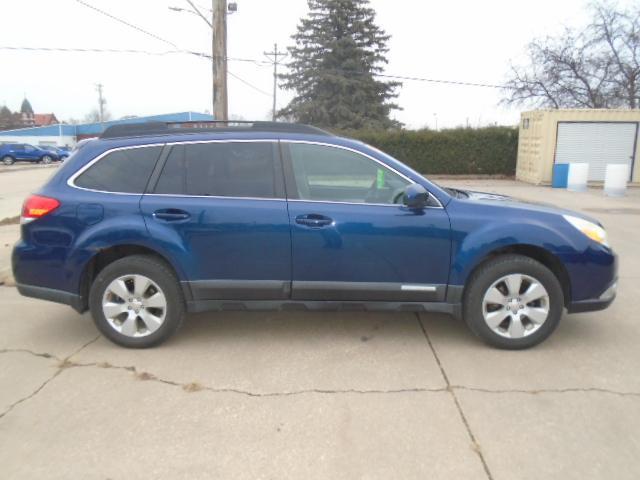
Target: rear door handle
(171, 214)
(313, 220)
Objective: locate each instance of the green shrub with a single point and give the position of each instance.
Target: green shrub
(470, 151)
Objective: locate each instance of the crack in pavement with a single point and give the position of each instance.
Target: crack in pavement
(195, 386)
(540, 391)
(58, 371)
(31, 352)
(472, 437)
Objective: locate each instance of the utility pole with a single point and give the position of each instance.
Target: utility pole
(218, 26)
(219, 60)
(101, 102)
(275, 54)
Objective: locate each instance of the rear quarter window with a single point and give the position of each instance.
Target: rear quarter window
(121, 171)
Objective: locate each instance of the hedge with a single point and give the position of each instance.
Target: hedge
(471, 151)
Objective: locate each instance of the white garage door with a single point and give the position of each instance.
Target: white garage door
(597, 144)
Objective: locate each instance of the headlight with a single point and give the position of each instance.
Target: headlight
(593, 231)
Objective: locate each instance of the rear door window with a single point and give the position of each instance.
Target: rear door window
(121, 171)
(224, 169)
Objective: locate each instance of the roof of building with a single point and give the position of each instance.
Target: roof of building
(95, 129)
(45, 119)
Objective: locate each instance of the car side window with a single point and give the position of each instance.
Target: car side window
(326, 173)
(121, 171)
(29, 148)
(223, 169)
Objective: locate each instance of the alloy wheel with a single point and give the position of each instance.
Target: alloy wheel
(134, 305)
(515, 305)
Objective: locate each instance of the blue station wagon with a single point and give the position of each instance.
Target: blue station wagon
(152, 221)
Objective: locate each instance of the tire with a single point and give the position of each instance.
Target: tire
(8, 160)
(46, 159)
(490, 296)
(128, 322)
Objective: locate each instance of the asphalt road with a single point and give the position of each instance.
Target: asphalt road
(328, 395)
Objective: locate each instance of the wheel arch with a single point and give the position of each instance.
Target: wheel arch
(106, 256)
(540, 254)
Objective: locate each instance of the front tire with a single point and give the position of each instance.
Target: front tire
(513, 302)
(136, 302)
(7, 160)
(46, 159)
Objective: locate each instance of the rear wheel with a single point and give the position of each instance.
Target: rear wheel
(137, 302)
(7, 160)
(513, 302)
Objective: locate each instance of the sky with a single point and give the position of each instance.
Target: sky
(470, 41)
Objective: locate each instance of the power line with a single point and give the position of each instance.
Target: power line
(124, 22)
(257, 89)
(89, 50)
(259, 63)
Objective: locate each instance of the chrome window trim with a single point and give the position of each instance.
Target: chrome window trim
(358, 152)
(72, 178)
(217, 197)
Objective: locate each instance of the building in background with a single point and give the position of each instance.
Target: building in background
(62, 135)
(595, 136)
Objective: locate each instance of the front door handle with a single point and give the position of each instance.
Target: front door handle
(313, 220)
(171, 214)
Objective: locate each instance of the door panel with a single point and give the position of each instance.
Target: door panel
(229, 248)
(350, 240)
(219, 208)
(370, 252)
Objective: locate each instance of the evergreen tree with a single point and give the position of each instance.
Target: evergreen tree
(338, 50)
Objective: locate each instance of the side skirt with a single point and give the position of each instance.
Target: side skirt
(195, 306)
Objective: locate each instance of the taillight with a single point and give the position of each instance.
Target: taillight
(37, 206)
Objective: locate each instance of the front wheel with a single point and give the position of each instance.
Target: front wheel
(46, 159)
(513, 302)
(7, 160)
(136, 301)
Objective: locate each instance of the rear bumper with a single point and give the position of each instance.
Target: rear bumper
(52, 295)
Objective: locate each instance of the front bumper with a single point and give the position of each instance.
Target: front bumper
(595, 304)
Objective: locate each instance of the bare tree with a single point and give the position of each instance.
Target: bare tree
(94, 116)
(596, 67)
(619, 33)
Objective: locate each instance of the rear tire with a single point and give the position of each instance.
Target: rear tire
(7, 160)
(513, 302)
(136, 302)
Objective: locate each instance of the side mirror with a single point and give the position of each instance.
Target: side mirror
(416, 196)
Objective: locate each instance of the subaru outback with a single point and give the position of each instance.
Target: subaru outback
(152, 221)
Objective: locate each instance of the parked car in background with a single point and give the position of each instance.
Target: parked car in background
(151, 221)
(23, 152)
(62, 152)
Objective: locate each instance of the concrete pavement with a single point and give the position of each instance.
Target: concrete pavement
(329, 395)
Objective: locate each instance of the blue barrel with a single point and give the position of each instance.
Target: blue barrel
(560, 175)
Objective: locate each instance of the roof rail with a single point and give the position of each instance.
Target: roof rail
(209, 126)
